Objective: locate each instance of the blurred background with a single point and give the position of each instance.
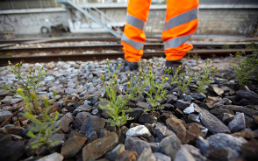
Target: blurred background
(80, 18)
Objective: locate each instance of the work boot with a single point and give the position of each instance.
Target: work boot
(132, 65)
(174, 66)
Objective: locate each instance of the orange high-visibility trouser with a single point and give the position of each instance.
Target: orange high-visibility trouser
(180, 23)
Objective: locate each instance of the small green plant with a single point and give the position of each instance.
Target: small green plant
(183, 83)
(43, 127)
(180, 79)
(116, 105)
(205, 76)
(247, 68)
(176, 77)
(28, 84)
(196, 57)
(157, 91)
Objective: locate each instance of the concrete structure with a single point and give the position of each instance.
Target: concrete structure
(230, 19)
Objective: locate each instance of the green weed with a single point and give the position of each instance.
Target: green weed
(247, 68)
(42, 128)
(157, 91)
(29, 84)
(180, 79)
(205, 76)
(116, 105)
(183, 83)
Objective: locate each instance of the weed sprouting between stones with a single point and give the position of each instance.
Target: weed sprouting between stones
(29, 84)
(247, 68)
(157, 91)
(116, 105)
(180, 79)
(184, 83)
(205, 77)
(42, 128)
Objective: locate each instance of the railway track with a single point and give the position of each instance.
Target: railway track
(149, 39)
(208, 48)
(114, 55)
(197, 45)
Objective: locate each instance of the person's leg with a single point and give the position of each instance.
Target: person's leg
(180, 23)
(134, 38)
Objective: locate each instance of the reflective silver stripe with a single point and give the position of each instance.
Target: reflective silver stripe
(135, 44)
(136, 22)
(175, 42)
(181, 19)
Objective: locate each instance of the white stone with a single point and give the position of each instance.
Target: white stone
(189, 109)
(140, 130)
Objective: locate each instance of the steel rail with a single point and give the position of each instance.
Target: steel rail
(197, 45)
(109, 38)
(115, 55)
(78, 47)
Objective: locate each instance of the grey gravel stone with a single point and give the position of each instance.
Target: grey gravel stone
(11, 150)
(83, 108)
(171, 99)
(171, 144)
(238, 123)
(79, 119)
(147, 118)
(155, 147)
(246, 94)
(140, 130)
(198, 96)
(213, 123)
(203, 145)
(168, 107)
(226, 140)
(92, 124)
(227, 117)
(219, 80)
(181, 104)
(4, 115)
(194, 118)
(183, 155)
(7, 100)
(73, 144)
(16, 100)
(53, 156)
(136, 113)
(162, 131)
(146, 155)
(245, 110)
(161, 157)
(186, 97)
(195, 152)
(224, 101)
(65, 122)
(143, 105)
(135, 144)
